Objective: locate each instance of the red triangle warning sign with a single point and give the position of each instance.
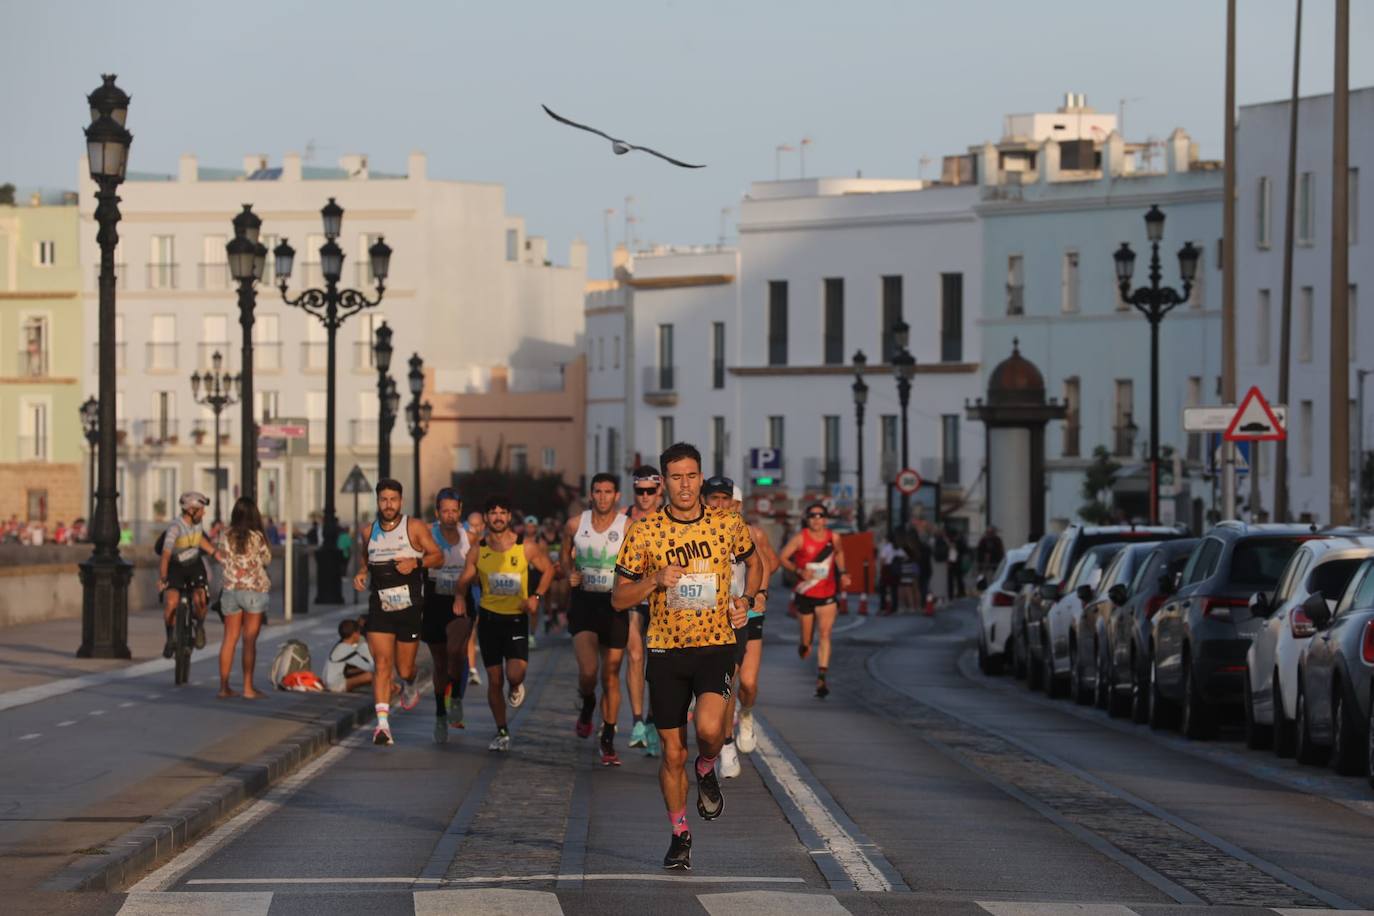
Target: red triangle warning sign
(1255, 421)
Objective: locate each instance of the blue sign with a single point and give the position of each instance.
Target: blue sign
(765, 459)
(1214, 462)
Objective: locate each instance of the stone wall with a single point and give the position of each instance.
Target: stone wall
(63, 482)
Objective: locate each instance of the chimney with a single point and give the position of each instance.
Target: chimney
(989, 172)
(189, 169)
(1049, 161)
(417, 166)
(577, 255)
(254, 162)
(291, 167)
(1113, 156)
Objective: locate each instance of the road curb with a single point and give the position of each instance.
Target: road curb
(163, 836)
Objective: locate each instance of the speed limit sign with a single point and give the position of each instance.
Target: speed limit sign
(907, 481)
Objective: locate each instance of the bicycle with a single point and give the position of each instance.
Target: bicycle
(182, 638)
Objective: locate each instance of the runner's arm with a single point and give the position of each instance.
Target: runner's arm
(360, 580)
(538, 558)
(841, 566)
(767, 554)
(465, 580)
(420, 534)
(565, 557)
(785, 558)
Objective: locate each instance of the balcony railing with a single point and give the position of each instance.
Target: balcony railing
(32, 363)
(121, 356)
(33, 448)
(314, 355)
(162, 276)
(362, 356)
(949, 472)
(162, 357)
(216, 276)
(205, 354)
(362, 432)
(1016, 304)
(157, 431)
(1125, 441)
(660, 385)
(267, 355)
(121, 276)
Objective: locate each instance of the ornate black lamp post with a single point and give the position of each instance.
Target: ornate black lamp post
(860, 389)
(1154, 302)
(332, 307)
(381, 355)
(247, 261)
(105, 576)
(417, 418)
(90, 426)
(221, 391)
(903, 367)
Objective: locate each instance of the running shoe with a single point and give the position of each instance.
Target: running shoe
(474, 677)
(500, 743)
(455, 712)
(609, 758)
(382, 735)
(533, 645)
(710, 803)
(728, 765)
(584, 727)
(198, 628)
(746, 739)
(637, 736)
(169, 648)
(653, 748)
(516, 697)
(803, 650)
(679, 857)
(440, 730)
(410, 695)
(822, 691)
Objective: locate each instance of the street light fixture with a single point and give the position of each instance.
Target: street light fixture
(381, 356)
(247, 260)
(417, 418)
(1154, 302)
(903, 368)
(90, 426)
(105, 576)
(860, 389)
(221, 391)
(331, 306)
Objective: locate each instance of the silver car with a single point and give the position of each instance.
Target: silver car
(1080, 588)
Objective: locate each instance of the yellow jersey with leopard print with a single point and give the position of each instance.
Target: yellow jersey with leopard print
(695, 612)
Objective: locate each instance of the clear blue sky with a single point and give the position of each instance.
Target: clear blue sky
(875, 84)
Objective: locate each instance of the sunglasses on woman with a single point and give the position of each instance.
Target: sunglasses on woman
(815, 515)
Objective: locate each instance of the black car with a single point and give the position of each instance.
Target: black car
(1124, 669)
(1199, 638)
(1087, 645)
(1028, 579)
(1334, 679)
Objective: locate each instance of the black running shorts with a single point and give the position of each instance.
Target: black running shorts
(676, 676)
(592, 612)
(190, 576)
(807, 605)
(755, 627)
(438, 614)
(404, 624)
(503, 638)
(741, 643)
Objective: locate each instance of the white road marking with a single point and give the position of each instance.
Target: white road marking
(768, 903)
(96, 712)
(488, 901)
(1006, 908)
(30, 736)
(127, 705)
(506, 879)
(193, 904)
(306, 881)
(193, 855)
(153, 696)
(1290, 911)
(838, 842)
(66, 723)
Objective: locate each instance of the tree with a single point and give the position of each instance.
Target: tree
(1097, 484)
(7, 194)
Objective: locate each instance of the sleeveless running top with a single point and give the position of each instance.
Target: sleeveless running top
(594, 552)
(444, 579)
(384, 548)
(505, 577)
(815, 560)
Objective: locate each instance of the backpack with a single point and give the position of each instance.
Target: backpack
(293, 656)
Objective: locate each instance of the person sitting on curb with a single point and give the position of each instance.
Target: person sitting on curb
(350, 665)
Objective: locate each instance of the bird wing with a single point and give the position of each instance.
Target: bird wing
(645, 149)
(558, 117)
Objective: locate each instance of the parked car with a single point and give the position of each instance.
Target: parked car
(1031, 575)
(1126, 662)
(994, 609)
(1062, 619)
(1088, 642)
(1072, 544)
(1323, 566)
(1199, 638)
(1335, 715)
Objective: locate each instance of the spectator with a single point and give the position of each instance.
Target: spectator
(989, 551)
(960, 562)
(312, 535)
(477, 526)
(77, 534)
(244, 556)
(350, 665)
(890, 558)
(910, 573)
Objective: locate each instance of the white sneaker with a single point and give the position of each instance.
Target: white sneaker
(474, 677)
(746, 738)
(728, 764)
(500, 743)
(516, 697)
(410, 694)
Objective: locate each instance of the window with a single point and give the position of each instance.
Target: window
(830, 459)
(549, 456)
(777, 322)
(1072, 416)
(163, 429)
(364, 357)
(33, 359)
(1194, 453)
(315, 414)
(1016, 285)
(214, 338)
(269, 403)
(1264, 320)
(951, 318)
(1068, 283)
(45, 253)
(717, 354)
(833, 349)
(775, 433)
(614, 458)
(1353, 336)
(269, 277)
(37, 505)
(949, 448)
(718, 445)
(214, 263)
(601, 354)
(1305, 325)
(518, 459)
(1262, 219)
(462, 459)
(1203, 562)
(1124, 413)
(33, 431)
(892, 313)
(1307, 209)
(615, 352)
(164, 493)
(267, 342)
(665, 358)
(665, 434)
(512, 244)
(162, 343)
(1305, 438)
(888, 449)
(1195, 294)
(162, 263)
(313, 496)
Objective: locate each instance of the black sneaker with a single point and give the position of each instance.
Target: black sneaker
(822, 691)
(169, 648)
(710, 803)
(679, 857)
(198, 628)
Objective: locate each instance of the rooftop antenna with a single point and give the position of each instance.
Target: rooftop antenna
(805, 142)
(309, 150)
(629, 199)
(777, 159)
(924, 161)
(606, 226)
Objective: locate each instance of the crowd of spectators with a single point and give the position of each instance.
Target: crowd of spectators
(36, 533)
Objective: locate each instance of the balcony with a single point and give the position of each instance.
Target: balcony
(362, 356)
(33, 448)
(362, 432)
(314, 355)
(267, 356)
(660, 386)
(32, 363)
(121, 350)
(121, 276)
(1071, 435)
(1016, 304)
(162, 276)
(215, 276)
(162, 357)
(205, 355)
(156, 432)
(202, 431)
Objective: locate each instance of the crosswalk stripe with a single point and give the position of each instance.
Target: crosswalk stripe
(1011, 908)
(197, 903)
(771, 903)
(488, 902)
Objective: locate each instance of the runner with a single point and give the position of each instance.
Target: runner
(723, 493)
(502, 563)
(680, 558)
(530, 532)
(477, 527)
(182, 566)
(599, 632)
(556, 605)
(446, 633)
(648, 499)
(398, 550)
(814, 555)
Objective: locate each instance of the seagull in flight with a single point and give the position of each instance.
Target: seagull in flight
(620, 147)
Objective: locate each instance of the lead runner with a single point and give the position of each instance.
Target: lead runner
(679, 558)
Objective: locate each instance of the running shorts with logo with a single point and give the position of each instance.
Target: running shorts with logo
(677, 676)
(595, 553)
(440, 585)
(394, 605)
(503, 638)
(592, 612)
(503, 632)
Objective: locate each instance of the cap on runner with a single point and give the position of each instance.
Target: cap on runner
(718, 484)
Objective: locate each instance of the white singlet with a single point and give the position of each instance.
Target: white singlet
(595, 552)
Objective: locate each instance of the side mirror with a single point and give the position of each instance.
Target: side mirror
(1118, 594)
(1166, 584)
(1259, 605)
(981, 584)
(1025, 577)
(1085, 593)
(1317, 610)
(1049, 591)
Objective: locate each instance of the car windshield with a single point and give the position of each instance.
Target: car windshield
(1257, 563)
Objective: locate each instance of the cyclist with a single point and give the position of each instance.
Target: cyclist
(183, 566)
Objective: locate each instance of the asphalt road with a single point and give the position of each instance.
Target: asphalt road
(918, 786)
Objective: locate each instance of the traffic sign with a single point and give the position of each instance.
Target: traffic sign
(1218, 419)
(1254, 421)
(765, 459)
(356, 482)
(907, 481)
(280, 430)
(271, 448)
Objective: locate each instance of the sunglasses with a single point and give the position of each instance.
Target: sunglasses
(650, 491)
(815, 515)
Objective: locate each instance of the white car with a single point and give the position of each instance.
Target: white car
(994, 609)
(1323, 564)
(1079, 588)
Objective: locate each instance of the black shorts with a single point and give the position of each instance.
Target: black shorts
(741, 644)
(403, 624)
(592, 612)
(676, 676)
(808, 605)
(182, 578)
(503, 638)
(438, 614)
(643, 611)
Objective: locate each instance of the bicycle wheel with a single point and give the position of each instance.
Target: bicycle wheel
(182, 636)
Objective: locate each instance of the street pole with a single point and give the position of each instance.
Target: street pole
(1359, 445)
(90, 427)
(1286, 309)
(903, 367)
(860, 389)
(381, 356)
(1228, 264)
(220, 392)
(218, 489)
(1339, 397)
(247, 260)
(417, 417)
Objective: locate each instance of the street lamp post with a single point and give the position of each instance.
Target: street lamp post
(903, 367)
(90, 426)
(381, 355)
(221, 391)
(331, 306)
(247, 261)
(417, 418)
(105, 576)
(1154, 302)
(860, 389)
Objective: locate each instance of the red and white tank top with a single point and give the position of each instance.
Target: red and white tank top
(815, 561)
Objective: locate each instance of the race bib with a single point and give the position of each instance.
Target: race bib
(189, 555)
(598, 580)
(816, 571)
(445, 582)
(394, 599)
(503, 584)
(693, 592)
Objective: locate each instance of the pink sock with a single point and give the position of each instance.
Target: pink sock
(705, 764)
(679, 821)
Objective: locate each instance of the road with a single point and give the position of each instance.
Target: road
(918, 786)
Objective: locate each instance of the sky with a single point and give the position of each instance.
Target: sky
(876, 85)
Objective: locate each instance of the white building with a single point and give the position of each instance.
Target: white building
(610, 354)
(1261, 180)
(468, 290)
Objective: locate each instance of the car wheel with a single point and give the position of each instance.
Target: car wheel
(1054, 686)
(1257, 736)
(1197, 720)
(1305, 751)
(1346, 744)
(1162, 713)
(1285, 730)
(1140, 693)
(1369, 747)
(982, 656)
(1035, 673)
